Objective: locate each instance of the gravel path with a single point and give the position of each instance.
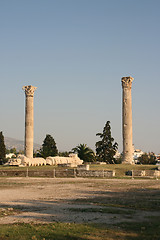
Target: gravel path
(45, 200)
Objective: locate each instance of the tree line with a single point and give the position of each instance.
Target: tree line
(105, 147)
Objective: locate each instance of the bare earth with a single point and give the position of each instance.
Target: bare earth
(45, 200)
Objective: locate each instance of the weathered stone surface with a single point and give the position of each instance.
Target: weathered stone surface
(29, 119)
(13, 162)
(33, 161)
(127, 120)
(95, 173)
(83, 167)
(23, 161)
(143, 173)
(72, 159)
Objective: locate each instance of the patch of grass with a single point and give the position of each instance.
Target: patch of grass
(149, 230)
(70, 231)
(62, 231)
(38, 168)
(121, 168)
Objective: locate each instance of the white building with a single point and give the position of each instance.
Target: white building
(137, 153)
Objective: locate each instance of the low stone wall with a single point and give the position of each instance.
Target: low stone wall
(95, 173)
(59, 173)
(143, 173)
(13, 173)
(152, 173)
(83, 167)
(48, 174)
(65, 173)
(34, 173)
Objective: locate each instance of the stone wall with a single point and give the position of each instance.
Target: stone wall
(13, 173)
(57, 173)
(143, 173)
(95, 173)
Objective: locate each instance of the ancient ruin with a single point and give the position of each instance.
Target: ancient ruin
(22, 161)
(72, 161)
(127, 120)
(29, 120)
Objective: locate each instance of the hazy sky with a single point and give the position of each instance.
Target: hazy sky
(76, 52)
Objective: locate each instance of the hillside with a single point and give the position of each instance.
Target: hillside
(18, 144)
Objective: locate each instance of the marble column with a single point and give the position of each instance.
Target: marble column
(127, 120)
(29, 119)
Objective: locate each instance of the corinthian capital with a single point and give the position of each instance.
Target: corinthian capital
(29, 90)
(127, 82)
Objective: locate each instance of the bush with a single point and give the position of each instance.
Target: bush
(147, 159)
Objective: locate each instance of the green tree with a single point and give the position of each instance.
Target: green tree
(63, 154)
(118, 160)
(2, 148)
(84, 153)
(13, 150)
(7, 151)
(49, 147)
(147, 159)
(105, 149)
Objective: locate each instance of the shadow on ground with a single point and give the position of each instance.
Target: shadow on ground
(120, 214)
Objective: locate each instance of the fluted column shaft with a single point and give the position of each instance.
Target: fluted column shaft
(29, 120)
(127, 120)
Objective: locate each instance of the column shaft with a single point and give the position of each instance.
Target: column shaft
(127, 120)
(29, 127)
(29, 121)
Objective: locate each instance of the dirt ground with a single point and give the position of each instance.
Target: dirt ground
(78, 200)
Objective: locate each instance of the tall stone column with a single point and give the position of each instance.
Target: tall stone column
(29, 92)
(127, 120)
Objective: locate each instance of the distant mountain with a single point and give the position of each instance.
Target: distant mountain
(18, 144)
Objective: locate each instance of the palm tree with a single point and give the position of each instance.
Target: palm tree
(85, 153)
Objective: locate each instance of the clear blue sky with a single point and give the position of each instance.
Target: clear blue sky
(75, 52)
